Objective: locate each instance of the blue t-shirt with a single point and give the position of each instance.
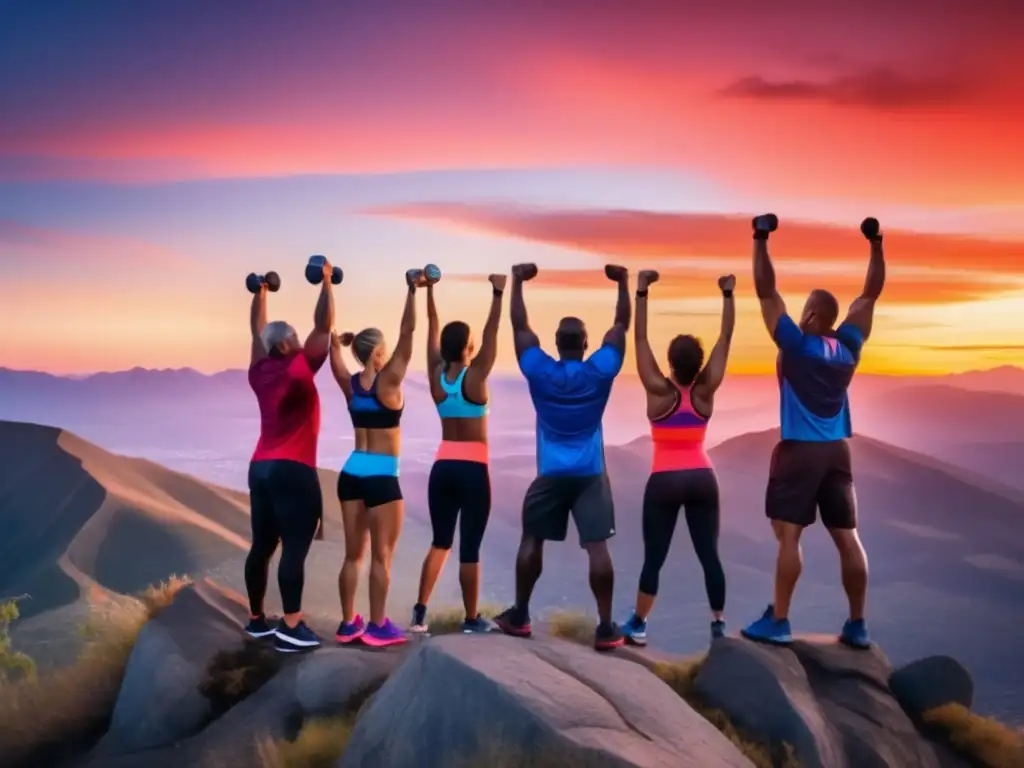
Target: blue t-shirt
(570, 397)
(814, 376)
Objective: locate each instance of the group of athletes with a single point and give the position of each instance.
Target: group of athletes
(810, 470)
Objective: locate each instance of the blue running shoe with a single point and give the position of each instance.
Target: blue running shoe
(350, 631)
(383, 635)
(717, 629)
(768, 630)
(635, 630)
(478, 626)
(855, 634)
(259, 627)
(295, 639)
(418, 625)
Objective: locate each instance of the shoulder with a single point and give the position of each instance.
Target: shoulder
(534, 360)
(606, 361)
(851, 336)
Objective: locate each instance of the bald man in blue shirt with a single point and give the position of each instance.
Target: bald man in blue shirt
(569, 395)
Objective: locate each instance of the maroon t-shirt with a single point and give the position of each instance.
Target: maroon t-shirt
(289, 408)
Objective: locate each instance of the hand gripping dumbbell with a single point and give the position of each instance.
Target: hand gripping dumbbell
(764, 225)
(315, 271)
(871, 229)
(272, 280)
(431, 273)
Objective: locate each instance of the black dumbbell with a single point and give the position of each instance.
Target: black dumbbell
(272, 280)
(870, 229)
(315, 271)
(766, 222)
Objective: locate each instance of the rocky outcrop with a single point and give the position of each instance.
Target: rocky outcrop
(498, 700)
(932, 682)
(831, 703)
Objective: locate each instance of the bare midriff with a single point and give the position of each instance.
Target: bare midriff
(386, 442)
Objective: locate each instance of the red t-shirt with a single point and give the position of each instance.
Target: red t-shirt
(289, 408)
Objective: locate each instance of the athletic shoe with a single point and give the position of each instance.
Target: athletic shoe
(515, 622)
(607, 636)
(259, 627)
(419, 619)
(477, 626)
(768, 630)
(855, 634)
(295, 639)
(380, 636)
(717, 629)
(350, 631)
(635, 630)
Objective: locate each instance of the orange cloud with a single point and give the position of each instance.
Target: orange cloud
(651, 236)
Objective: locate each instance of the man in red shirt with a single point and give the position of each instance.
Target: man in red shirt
(284, 488)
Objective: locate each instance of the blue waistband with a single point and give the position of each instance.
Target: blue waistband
(362, 464)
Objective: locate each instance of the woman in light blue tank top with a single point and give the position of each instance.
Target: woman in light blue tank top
(459, 489)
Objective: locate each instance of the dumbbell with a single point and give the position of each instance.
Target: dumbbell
(765, 223)
(870, 229)
(315, 271)
(272, 280)
(432, 272)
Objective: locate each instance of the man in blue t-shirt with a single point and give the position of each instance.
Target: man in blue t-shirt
(569, 395)
(810, 470)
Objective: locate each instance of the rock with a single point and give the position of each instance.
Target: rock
(932, 682)
(159, 702)
(832, 704)
(468, 699)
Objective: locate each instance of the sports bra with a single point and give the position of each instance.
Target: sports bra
(678, 437)
(456, 405)
(367, 411)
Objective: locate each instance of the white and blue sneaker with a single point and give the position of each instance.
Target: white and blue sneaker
(259, 627)
(418, 625)
(478, 626)
(635, 630)
(295, 639)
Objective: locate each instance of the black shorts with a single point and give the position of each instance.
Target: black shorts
(806, 478)
(550, 499)
(372, 490)
(459, 493)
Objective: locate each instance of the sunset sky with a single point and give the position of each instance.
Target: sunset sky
(152, 154)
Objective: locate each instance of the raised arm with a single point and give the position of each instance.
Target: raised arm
(342, 374)
(522, 334)
(257, 322)
(616, 335)
(651, 376)
(394, 371)
(862, 311)
(433, 334)
(772, 305)
(318, 342)
(710, 379)
(483, 363)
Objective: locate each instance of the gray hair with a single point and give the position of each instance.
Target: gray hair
(274, 333)
(364, 342)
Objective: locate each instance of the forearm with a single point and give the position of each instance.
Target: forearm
(875, 280)
(728, 317)
(517, 310)
(258, 313)
(408, 325)
(323, 315)
(764, 272)
(623, 307)
(489, 345)
(433, 324)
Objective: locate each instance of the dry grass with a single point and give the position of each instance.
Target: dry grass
(448, 621)
(575, 626)
(318, 745)
(234, 675)
(680, 677)
(64, 710)
(982, 740)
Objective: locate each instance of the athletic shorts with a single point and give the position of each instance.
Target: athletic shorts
(371, 478)
(459, 494)
(807, 478)
(551, 499)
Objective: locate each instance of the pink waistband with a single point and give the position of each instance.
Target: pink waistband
(669, 458)
(450, 450)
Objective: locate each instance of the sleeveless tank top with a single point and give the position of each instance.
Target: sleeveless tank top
(455, 405)
(367, 411)
(679, 437)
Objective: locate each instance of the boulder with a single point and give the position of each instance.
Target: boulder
(159, 702)
(497, 700)
(831, 703)
(932, 682)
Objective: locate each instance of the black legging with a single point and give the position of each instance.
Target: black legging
(286, 506)
(458, 487)
(696, 490)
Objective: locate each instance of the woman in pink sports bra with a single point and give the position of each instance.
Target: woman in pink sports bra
(682, 476)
